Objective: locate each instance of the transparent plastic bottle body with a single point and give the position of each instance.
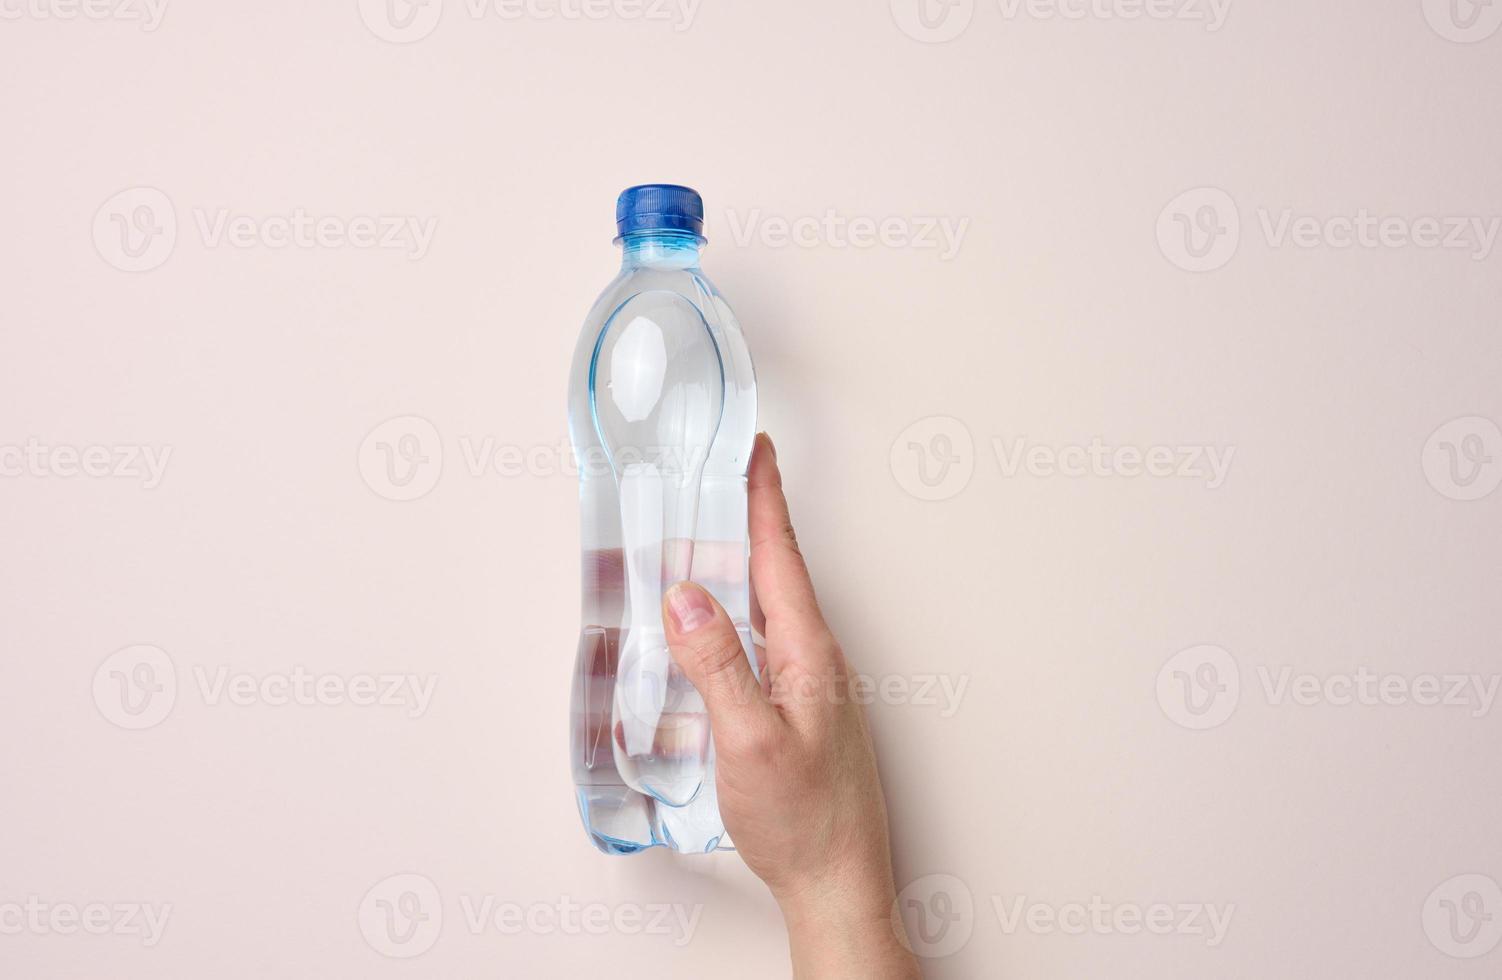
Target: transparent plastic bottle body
(662, 417)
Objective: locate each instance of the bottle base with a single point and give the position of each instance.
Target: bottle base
(620, 820)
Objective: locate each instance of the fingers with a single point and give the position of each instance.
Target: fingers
(783, 588)
(707, 648)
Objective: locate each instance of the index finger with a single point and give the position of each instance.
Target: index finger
(778, 573)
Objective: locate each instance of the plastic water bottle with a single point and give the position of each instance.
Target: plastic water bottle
(662, 416)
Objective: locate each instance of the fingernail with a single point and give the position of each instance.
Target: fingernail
(689, 606)
(771, 447)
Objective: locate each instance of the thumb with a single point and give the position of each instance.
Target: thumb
(707, 648)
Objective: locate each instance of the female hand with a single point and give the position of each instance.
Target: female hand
(796, 773)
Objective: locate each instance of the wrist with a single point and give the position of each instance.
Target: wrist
(840, 929)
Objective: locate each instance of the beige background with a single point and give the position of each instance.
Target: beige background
(1335, 545)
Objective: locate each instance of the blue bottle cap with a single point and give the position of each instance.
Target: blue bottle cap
(659, 207)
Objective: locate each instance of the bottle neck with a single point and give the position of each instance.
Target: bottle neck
(660, 250)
